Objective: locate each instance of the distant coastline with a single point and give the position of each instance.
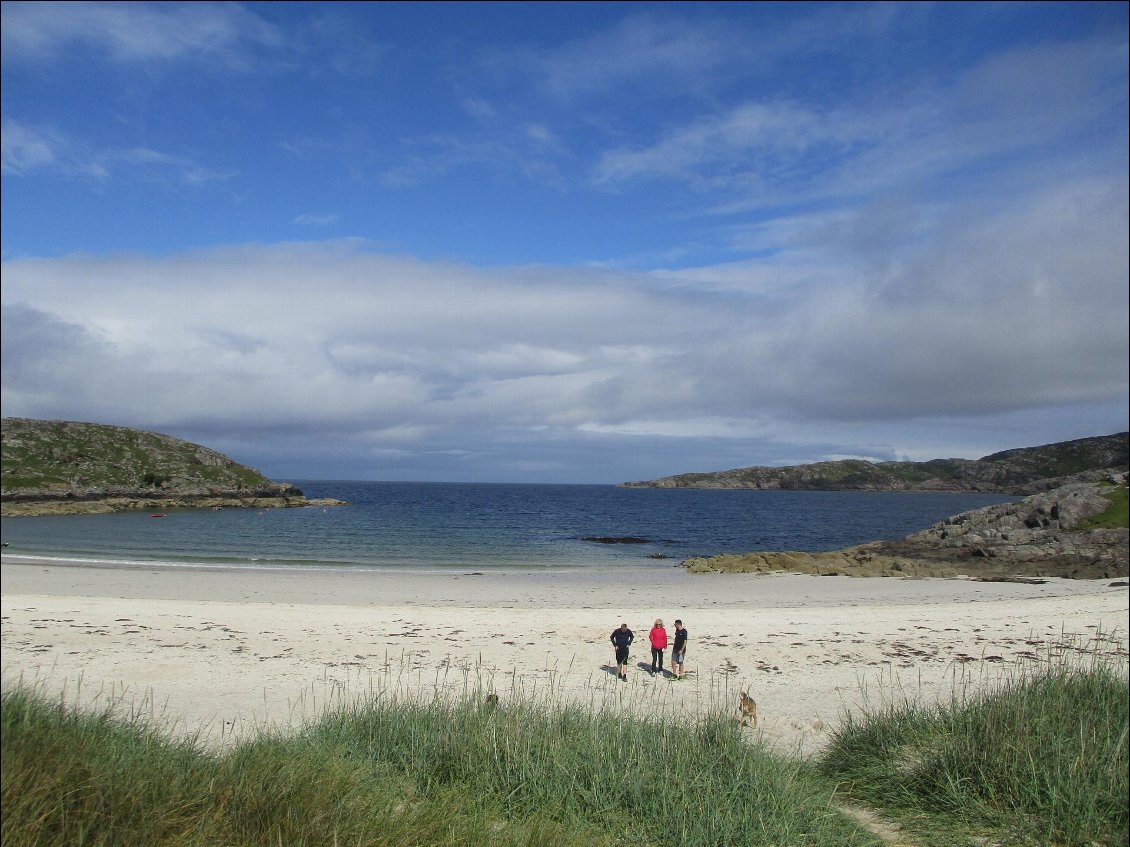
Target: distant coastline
(1018, 472)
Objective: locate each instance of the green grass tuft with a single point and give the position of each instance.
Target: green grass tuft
(388, 773)
(1117, 516)
(1041, 760)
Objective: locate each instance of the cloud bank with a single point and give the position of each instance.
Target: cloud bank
(397, 358)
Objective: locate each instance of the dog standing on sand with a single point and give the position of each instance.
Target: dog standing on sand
(747, 708)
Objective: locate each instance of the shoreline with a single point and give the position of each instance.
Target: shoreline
(220, 653)
(584, 586)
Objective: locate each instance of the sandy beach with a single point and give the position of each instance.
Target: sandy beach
(222, 653)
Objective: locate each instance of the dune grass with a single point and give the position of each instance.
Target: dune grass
(1039, 759)
(389, 772)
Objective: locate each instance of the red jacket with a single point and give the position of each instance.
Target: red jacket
(658, 636)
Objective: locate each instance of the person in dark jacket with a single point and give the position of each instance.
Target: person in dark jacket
(621, 640)
(678, 650)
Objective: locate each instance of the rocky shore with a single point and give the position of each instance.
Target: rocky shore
(1045, 535)
(105, 505)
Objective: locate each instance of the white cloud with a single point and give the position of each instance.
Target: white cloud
(308, 333)
(690, 427)
(1031, 104)
(771, 132)
(26, 149)
(642, 48)
(142, 162)
(133, 32)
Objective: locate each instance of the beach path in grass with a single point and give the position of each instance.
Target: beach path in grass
(223, 653)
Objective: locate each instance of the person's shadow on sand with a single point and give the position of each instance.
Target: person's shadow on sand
(612, 670)
(646, 667)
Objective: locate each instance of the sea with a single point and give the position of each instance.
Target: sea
(438, 527)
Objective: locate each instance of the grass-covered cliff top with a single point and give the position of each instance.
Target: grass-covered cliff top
(50, 459)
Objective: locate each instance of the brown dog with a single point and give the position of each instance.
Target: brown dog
(747, 707)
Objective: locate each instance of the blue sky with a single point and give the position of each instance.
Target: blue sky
(567, 242)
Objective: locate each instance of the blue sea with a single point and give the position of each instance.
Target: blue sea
(441, 526)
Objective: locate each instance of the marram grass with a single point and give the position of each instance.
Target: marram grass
(387, 772)
(1039, 759)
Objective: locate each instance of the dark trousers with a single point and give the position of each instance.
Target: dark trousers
(656, 659)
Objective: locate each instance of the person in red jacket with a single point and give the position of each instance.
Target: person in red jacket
(658, 638)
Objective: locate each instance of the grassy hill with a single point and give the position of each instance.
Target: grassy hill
(50, 464)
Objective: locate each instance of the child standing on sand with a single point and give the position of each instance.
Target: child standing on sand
(658, 638)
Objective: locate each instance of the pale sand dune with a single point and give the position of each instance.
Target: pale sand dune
(223, 652)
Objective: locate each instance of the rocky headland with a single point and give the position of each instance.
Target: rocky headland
(1019, 472)
(70, 467)
(1076, 530)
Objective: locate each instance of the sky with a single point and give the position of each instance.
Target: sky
(567, 242)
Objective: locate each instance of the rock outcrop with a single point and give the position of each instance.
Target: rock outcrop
(69, 467)
(1044, 535)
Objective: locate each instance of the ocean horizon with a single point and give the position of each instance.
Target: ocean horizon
(433, 526)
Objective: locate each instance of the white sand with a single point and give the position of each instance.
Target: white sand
(224, 652)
